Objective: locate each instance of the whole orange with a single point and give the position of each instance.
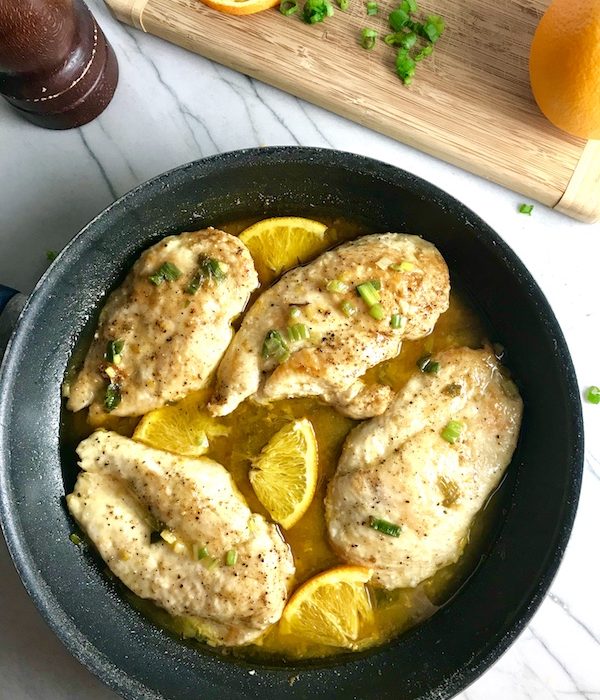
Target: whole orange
(564, 66)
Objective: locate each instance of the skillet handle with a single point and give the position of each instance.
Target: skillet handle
(11, 303)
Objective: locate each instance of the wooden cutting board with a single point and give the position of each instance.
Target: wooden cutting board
(470, 103)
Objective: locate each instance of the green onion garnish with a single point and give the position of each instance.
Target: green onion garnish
(316, 10)
(295, 312)
(426, 364)
(114, 348)
(337, 287)
(368, 293)
(399, 19)
(452, 431)
(298, 332)
(201, 552)
(275, 346)
(525, 209)
(385, 527)
(424, 52)
(593, 394)
(288, 7)
(372, 7)
(377, 312)
(348, 308)
(405, 66)
(75, 539)
(368, 37)
(405, 40)
(209, 270)
(433, 28)
(397, 321)
(112, 397)
(231, 557)
(166, 272)
(376, 284)
(409, 6)
(209, 562)
(344, 4)
(51, 255)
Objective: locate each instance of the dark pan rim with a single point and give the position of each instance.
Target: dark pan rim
(66, 628)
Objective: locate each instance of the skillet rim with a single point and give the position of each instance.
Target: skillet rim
(66, 629)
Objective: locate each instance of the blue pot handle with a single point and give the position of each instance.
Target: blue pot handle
(11, 303)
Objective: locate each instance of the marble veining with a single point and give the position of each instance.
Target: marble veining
(172, 107)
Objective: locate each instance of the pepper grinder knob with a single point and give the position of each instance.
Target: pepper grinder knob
(56, 67)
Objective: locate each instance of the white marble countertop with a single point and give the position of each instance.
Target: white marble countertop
(172, 107)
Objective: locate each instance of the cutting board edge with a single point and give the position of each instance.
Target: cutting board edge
(580, 198)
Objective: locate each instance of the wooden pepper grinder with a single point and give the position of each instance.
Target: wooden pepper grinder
(56, 67)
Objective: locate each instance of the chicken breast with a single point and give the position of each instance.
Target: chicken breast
(341, 345)
(173, 323)
(398, 468)
(127, 491)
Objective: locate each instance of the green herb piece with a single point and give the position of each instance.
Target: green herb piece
(452, 431)
(409, 6)
(209, 270)
(295, 313)
(385, 527)
(372, 8)
(397, 321)
(423, 53)
(525, 209)
(112, 397)
(209, 563)
(274, 346)
(368, 293)
(75, 539)
(405, 40)
(298, 332)
(51, 255)
(114, 348)
(337, 287)
(451, 390)
(200, 552)
(368, 37)
(166, 272)
(405, 66)
(433, 28)
(288, 7)
(592, 394)
(344, 4)
(231, 557)
(376, 284)
(377, 312)
(426, 364)
(399, 19)
(348, 308)
(316, 10)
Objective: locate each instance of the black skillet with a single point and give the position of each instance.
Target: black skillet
(438, 658)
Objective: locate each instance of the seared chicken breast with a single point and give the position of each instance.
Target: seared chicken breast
(217, 562)
(162, 333)
(338, 337)
(400, 468)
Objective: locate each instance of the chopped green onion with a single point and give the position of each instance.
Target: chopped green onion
(112, 398)
(399, 19)
(433, 28)
(316, 10)
(405, 40)
(295, 312)
(372, 8)
(201, 552)
(368, 293)
(231, 557)
(288, 7)
(377, 312)
(166, 272)
(275, 346)
(348, 308)
(397, 321)
(404, 266)
(337, 287)
(75, 539)
(298, 332)
(114, 348)
(344, 4)
(368, 37)
(426, 364)
(376, 284)
(209, 270)
(385, 527)
(593, 394)
(525, 209)
(452, 431)
(209, 563)
(168, 536)
(405, 66)
(51, 255)
(424, 52)
(409, 6)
